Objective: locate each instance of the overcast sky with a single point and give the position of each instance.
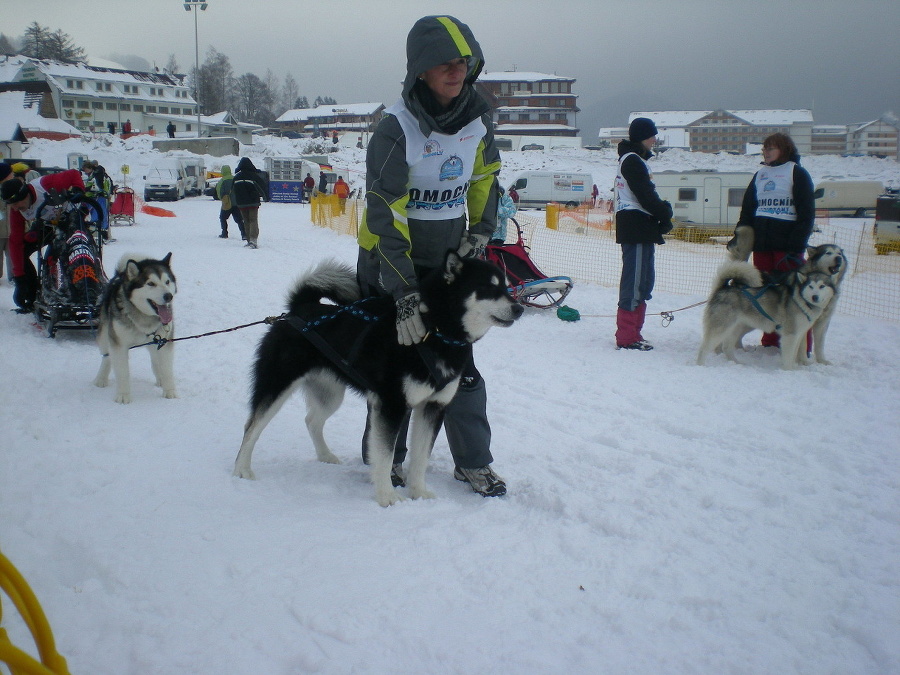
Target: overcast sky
(840, 59)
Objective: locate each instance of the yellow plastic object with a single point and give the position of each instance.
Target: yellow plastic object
(20, 663)
(552, 216)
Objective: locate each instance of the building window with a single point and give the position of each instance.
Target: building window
(504, 117)
(544, 117)
(138, 108)
(523, 117)
(125, 106)
(561, 102)
(99, 86)
(97, 105)
(163, 110)
(735, 196)
(110, 106)
(187, 127)
(187, 111)
(151, 108)
(82, 104)
(687, 194)
(561, 117)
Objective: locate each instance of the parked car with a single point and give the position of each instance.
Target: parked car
(533, 146)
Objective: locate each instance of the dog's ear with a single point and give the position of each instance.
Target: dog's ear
(167, 258)
(132, 269)
(452, 266)
(810, 252)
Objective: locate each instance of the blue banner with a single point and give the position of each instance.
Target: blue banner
(286, 191)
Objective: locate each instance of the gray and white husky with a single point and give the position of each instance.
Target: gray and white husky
(137, 307)
(830, 259)
(740, 302)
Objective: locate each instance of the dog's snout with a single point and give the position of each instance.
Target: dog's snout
(167, 298)
(517, 310)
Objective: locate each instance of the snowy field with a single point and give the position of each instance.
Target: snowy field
(661, 517)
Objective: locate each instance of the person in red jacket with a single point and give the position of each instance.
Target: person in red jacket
(24, 200)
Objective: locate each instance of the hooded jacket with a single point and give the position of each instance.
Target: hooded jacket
(782, 234)
(402, 230)
(248, 187)
(635, 226)
(223, 188)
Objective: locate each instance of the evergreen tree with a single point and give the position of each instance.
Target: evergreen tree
(41, 43)
(302, 103)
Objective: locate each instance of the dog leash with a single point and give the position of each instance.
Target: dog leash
(566, 313)
(161, 341)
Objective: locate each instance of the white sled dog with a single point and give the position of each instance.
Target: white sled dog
(740, 302)
(136, 308)
(331, 339)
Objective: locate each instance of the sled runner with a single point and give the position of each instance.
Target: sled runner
(527, 284)
(70, 271)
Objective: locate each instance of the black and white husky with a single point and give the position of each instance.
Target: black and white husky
(741, 302)
(323, 348)
(135, 309)
(830, 259)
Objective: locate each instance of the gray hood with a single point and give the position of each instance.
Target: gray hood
(434, 40)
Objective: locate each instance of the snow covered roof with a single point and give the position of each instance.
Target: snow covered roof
(505, 128)
(521, 76)
(682, 118)
(305, 114)
(14, 113)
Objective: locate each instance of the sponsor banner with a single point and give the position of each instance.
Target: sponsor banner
(286, 191)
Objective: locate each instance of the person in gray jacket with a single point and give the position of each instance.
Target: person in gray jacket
(431, 187)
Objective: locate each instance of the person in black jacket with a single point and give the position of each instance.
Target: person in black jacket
(642, 218)
(247, 189)
(780, 207)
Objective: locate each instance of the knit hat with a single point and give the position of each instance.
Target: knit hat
(641, 129)
(5, 170)
(13, 190)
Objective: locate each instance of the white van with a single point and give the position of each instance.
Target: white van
(165, 181)
(703, 197)
(537, 188)
(856, 198)
(195, 175)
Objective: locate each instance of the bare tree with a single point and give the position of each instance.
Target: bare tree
(274, 88)
(171, 65)
(254, 100)
(216, 83)
(290, 93)
(6, 45)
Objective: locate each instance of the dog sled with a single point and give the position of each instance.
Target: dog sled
(527, 284)
(121, 211)
(71, 279)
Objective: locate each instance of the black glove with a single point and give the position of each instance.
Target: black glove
(665, 226)
(472, 245)
(410, 328)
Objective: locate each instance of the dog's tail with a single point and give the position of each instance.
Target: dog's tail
(737, 272)
(329, 280)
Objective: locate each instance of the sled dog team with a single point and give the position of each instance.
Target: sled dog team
(328, 319)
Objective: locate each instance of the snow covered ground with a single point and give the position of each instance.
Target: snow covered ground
(661, 517)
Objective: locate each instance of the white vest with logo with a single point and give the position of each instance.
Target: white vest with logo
(775, 192)
(440, 166)
(625, 199)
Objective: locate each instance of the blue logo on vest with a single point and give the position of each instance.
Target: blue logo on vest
(431, 149)
(452, 168)
(768, 187)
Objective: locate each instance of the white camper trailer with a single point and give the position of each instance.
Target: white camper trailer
(708, 198)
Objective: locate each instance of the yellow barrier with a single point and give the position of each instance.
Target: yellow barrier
(19, 662)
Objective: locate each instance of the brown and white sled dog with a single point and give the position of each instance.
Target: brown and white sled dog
(740, 302)
(136, 307)
(461, 301)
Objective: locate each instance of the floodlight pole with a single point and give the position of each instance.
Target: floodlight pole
(188, 6)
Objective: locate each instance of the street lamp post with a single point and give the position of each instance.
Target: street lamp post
(188, 6)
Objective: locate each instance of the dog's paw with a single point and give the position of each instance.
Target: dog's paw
(421, 493)
(389, 498)
(244, 472)
(169, 393)
(101, 382)
(123, 397)
(328, 458)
